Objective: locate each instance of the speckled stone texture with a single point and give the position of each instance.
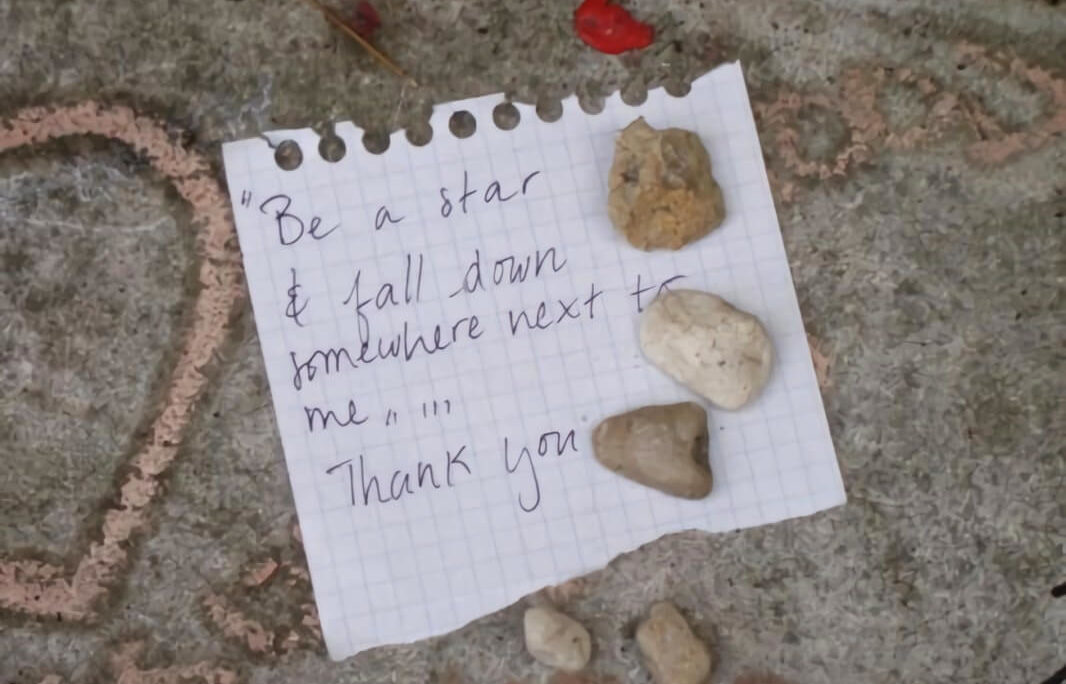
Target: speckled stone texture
(917, 153)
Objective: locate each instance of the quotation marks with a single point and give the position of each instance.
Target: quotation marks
(434, 408)
(429, 410)
(246, 198)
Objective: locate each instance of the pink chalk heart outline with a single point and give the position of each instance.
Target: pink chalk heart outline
(39, 588)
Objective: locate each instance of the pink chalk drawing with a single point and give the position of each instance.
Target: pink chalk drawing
(269, 641)
(868, 131)
(39, 588)
(125, 670)
(77, 589)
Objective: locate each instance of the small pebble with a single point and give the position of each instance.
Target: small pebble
(703, 342)
(661, 194)
(556, 640)
(664, 447)
(672, 653)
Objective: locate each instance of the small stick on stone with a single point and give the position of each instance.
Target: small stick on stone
(331, 15)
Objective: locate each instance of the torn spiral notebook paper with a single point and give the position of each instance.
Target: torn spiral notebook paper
(444, 325)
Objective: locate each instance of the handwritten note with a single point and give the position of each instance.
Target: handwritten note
(444, 325)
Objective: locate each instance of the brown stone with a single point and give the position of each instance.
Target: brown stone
(672, 653)
(661, 191)
(664, 447)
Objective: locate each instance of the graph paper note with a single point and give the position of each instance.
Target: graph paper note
(444, 325)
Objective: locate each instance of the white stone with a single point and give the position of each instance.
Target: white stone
(556, 640)
(703, 342)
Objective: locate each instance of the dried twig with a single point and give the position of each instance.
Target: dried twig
(337, 20)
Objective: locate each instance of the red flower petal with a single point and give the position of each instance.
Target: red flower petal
(610, 28)
(364, 20)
